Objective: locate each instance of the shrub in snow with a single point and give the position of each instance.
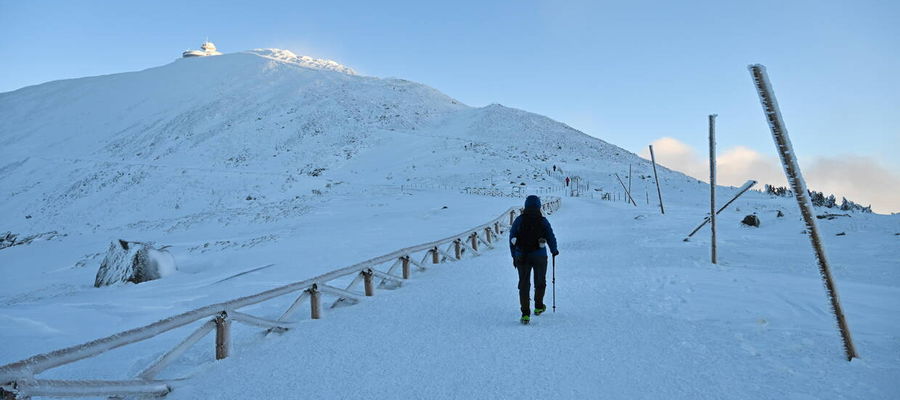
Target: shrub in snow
(10, 239)
(751, 220)
(819, 199)
(133, 262)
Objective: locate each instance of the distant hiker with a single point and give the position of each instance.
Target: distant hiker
(554, 168)
(567, 181)
(528, 237)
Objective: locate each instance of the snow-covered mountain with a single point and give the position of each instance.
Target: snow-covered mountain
(196, 138)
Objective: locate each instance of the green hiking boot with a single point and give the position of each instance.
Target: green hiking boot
(525, 319)
(539, 311)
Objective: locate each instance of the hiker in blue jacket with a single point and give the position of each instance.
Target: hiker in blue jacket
(529, 237)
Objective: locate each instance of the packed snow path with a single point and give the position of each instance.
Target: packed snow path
(639, 316)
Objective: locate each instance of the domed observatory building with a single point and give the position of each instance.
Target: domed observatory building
(208, 49)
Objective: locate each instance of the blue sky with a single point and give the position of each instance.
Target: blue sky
(630, 72)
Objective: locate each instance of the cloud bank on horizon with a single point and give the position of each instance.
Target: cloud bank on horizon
(858, 178)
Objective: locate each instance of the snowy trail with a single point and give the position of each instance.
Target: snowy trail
(632, 322)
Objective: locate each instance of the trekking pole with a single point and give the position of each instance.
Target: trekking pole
(554, 283)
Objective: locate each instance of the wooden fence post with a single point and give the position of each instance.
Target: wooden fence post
(405, 261)
(315, 308)
(712, 183)
(629, 178)
(434, 256)
(487, 235)
(512, 217)
(497, 227)
(656, 178)
(798, 185)
(223, 335)
(474, 238)
(457, 247)
(367, 282)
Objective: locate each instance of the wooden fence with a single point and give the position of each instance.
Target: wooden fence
(19, 380)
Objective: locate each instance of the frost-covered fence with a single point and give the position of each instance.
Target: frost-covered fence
(798, 185)
(19, 379)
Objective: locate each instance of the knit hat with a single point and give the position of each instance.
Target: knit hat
(532, 202)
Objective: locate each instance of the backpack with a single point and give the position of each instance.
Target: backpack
(531, 229)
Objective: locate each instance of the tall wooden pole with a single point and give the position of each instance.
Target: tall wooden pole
(712, 183)
(798, 185)
(656, 178)
(629, 178)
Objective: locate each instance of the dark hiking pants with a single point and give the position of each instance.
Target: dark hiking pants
(525, 265)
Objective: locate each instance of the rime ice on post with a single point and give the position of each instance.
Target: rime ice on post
(798, 185)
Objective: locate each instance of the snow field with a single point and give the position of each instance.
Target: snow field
(54, 304)
(636, 318)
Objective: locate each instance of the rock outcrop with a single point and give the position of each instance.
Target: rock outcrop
(133, 262)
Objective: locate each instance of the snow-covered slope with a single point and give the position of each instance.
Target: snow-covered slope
(195, 139)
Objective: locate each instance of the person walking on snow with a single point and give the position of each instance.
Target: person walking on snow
(528, 239)
(567, 181)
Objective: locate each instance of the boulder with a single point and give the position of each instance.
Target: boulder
(133, 262)
(751, 220)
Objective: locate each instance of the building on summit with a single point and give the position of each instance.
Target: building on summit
(208, 49)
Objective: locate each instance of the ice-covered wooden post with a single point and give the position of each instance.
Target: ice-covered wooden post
(798, 185)
(434, 256)
(712, 184)
(512, 217)
(367, 282)
(474, 239)
(457, 248)
(315, 308)
(488, 234)
(629, 178)
(656, 178)
(223, 335)
(405, 261)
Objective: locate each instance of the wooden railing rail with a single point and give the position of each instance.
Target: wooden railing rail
(17, 380)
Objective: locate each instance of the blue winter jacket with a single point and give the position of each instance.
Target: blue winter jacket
(541, 251)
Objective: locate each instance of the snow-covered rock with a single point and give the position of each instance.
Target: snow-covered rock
(305, 61)
(134, 262)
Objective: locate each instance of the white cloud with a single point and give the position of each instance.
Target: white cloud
(858, 178)
(861, 179)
